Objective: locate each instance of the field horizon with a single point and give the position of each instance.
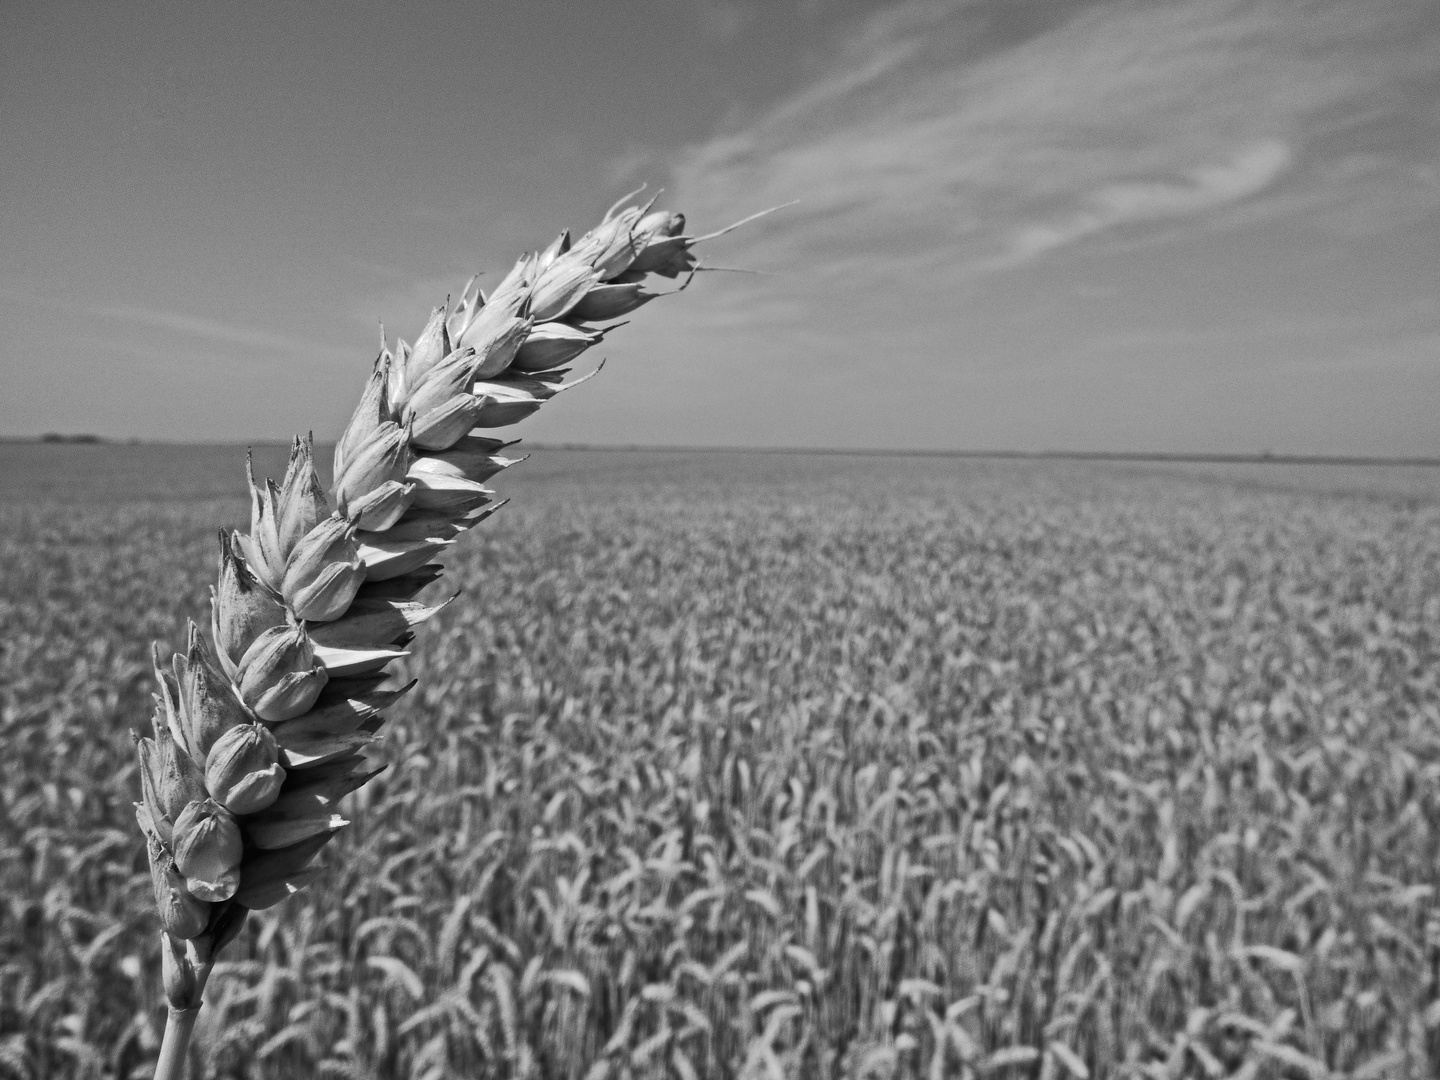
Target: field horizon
(29, 467)
(1263, 457)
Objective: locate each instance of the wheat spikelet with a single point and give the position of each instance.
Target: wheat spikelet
(258, 733)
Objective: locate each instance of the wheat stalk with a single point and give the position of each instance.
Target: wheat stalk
(259, 732)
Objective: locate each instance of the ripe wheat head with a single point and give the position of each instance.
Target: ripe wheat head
(258, 733)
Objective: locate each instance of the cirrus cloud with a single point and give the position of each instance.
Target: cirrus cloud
(1208, 187)
(1001, 198)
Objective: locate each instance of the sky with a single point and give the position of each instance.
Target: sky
(1184, 226)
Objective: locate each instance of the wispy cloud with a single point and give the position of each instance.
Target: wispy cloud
(943, 127)
(1208, 187)
(1005, 205)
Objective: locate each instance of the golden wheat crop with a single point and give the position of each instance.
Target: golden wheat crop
(785, 766)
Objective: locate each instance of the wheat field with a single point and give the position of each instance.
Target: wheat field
(779, 765)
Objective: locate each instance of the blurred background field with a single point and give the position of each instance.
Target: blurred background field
(800, 765)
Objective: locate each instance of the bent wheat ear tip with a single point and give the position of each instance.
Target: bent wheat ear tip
(254, 753)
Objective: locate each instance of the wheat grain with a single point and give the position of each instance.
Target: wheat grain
(257, 738)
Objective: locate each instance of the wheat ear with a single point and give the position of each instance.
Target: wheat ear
(258, 732)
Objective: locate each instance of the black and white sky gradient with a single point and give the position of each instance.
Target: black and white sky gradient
(1175, 225)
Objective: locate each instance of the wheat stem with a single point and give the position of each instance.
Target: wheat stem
(175, 1046)
(185, 974)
